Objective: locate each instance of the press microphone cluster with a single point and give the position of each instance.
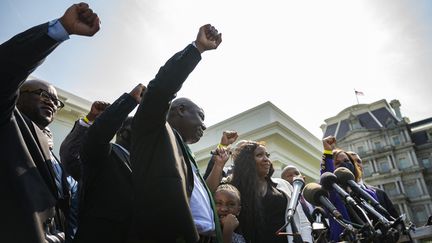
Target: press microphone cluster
(373, 222)
(346, 179)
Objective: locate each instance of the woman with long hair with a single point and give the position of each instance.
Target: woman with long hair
(263, 205)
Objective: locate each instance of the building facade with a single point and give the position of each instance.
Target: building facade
(64, 120)
(396, 154)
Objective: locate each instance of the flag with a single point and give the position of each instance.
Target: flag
(358, 92)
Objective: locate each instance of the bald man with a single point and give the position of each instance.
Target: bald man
(288, 174)
(172, 201)
(35, 193)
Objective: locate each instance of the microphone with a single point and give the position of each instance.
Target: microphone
(329, 180)
(317, 196)
(346, 178)
(298, 185)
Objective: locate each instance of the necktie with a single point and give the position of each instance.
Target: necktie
(305, 207)
(215, 216)
(57, 175)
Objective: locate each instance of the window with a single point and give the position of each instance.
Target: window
(384, 166)
(412, 190)
(397, 207)
(420, 214)
(429, 134)
(403, 163)
(360, 149)
(426, 163)
(429, 186)
(390, 189)
(396, 140)
(367, 168)
(378, 145)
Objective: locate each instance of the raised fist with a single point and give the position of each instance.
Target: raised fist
(79, 19)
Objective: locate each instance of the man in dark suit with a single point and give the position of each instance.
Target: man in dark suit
(106, 188)
(165, 174)
(34, 196)
(71, 145)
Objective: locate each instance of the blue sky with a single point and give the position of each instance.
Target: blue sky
(306, 57)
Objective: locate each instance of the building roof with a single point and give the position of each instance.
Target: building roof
(288, 141)
(372, 116)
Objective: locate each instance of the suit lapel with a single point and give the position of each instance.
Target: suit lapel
(123, 157)
(38, 148)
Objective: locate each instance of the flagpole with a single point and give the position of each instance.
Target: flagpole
(355, 92)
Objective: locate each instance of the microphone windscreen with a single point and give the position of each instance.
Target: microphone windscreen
(312, 192)
(327, 180)
(344, 175)
(298, 180)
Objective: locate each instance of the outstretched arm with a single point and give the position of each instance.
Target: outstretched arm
(99, 135)
(22, 54)
(162, 89)
(71, 145)
(219, 160)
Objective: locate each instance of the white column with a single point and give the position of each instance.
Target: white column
(408, 213)
(406, 135)
(387, 139)
(419, 186)
(390, 162)
(400, 186)
(373, 163)
(415, 161)
(369, 144)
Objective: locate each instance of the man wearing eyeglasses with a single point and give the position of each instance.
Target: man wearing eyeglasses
(35, 201)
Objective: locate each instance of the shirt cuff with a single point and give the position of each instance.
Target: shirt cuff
(57, 31)
(83, 123)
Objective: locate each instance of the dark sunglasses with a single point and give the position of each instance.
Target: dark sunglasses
(47, 97)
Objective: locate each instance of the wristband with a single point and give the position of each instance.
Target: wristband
(86, 120)
(328, 152)
(221, 146)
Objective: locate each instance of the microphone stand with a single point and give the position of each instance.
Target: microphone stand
(295, 234)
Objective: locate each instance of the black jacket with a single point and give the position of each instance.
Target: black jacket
(162, 172)
(106, 189)
(29, 194)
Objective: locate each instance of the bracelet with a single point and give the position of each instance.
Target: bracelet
(221, 146)
(86, 120)
(328, 152)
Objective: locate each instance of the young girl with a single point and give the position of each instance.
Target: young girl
(227, 200)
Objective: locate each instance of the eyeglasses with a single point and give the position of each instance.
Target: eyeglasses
(47, 97)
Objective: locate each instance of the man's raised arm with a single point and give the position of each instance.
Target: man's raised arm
(168, 81)
(23, 53)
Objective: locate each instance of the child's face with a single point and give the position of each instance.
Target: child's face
(227, 203)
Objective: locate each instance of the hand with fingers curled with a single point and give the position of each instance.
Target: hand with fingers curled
(96, 109)
(228, 138)
(229, 222)
(221, 157)
(208, 38)
(138, 92)
(79, 19)
(329, 143)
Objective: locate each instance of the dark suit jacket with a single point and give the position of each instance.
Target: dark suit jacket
(70, 151)
(27, 186)
(106, 193)
(162, 173)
